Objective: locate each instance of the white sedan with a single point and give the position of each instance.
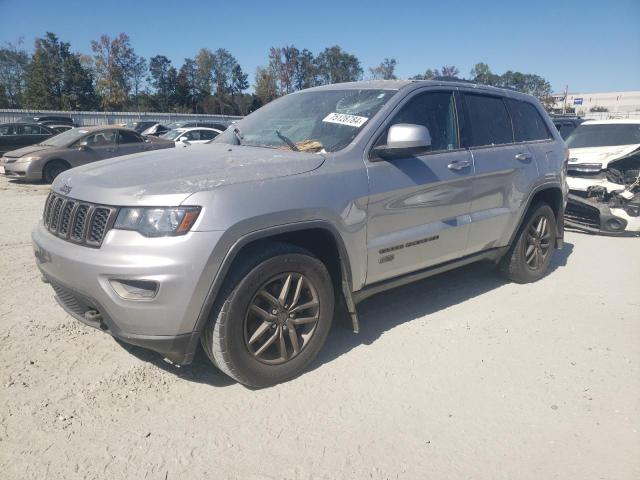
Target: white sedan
(193, 135)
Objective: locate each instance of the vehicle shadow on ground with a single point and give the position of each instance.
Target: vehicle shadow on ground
(377, 314)
(200, 371)
(388, 310)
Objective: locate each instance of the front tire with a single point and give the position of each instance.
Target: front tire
(273, 317)
(53, 169)
(528, 258)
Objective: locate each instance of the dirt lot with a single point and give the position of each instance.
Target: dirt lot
(459, 376)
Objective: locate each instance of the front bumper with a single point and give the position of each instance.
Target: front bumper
(593, 217)
(81, 279)
(22, 171)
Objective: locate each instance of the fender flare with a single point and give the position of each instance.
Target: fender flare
(559, 220)
(242, 241)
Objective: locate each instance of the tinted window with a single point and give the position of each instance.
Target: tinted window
(100, 139)
(437, 112)
(207, 134)
(528, 124)
(489, 121)
(34, 130)
(7, 130)
(129, 137)
(193, 135)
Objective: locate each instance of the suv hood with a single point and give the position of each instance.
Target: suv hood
(168, 177)
(602, 155)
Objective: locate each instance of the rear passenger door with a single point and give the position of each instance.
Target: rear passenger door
(504, 170)
(130, 142)
(419, 205)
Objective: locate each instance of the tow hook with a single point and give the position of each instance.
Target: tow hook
(93, 316)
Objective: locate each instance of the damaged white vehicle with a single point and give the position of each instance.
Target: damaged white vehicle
(603, 175)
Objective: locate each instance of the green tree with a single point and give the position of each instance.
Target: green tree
(266, 87)
(449, 72)
(335, 65)
(114, 64)
(204, 72)
(239, 80)
(56, 78)
(427, 75)
(482, 74)
(384, 71)
(163, 78)
(305, 72)
(13, 65)
(186, 87)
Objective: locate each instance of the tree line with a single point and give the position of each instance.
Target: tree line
(115, 78)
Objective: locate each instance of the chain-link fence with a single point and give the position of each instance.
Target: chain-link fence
(111, 118)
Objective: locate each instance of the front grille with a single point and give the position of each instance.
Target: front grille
(582, 214)
(75, 221)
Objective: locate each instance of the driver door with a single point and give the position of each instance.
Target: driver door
(419, 206)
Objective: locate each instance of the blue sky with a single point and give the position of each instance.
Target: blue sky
(589, 45)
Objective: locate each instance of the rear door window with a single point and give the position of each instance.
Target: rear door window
(528, 124)
(101, 139)
(207, 134)
(129, 137)
(193, 135)
(488, 120)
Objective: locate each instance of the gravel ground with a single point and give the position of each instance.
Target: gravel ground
(459, 376)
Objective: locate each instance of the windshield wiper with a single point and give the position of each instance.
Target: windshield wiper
(238, 135)
(288, 141)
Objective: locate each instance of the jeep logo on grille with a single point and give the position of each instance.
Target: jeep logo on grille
(65, 189)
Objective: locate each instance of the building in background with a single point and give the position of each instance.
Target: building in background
(611, 103)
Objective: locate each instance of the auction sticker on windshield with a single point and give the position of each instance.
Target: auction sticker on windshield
(344, 119)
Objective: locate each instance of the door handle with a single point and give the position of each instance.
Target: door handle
(523, 157)
(459, 165)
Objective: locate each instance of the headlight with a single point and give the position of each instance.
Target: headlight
(157, 222)
(27, 159)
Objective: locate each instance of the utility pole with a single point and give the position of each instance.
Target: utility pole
(564, 102)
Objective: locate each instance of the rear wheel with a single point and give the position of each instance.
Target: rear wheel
(530, 255)
(274, 316)
(53, 169)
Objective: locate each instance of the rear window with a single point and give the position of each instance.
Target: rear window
(489, 121)
(528, 124)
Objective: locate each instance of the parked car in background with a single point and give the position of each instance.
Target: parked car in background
(59, 128)
(566, 125)
(194, 135)
(48, 119)
(333, 193)
(155, 130)
(140, 126)
(604, 177)
(78, 146)
(18, 135)
(188, 124)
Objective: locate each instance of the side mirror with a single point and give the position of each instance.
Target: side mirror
(405, 140)
(83, 146)
(184, 141)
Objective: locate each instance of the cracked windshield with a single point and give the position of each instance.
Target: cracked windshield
(320, 121)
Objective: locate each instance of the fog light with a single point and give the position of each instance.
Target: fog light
(134, 289)
(616, 225)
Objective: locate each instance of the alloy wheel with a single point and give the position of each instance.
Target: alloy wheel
(281, 318)
(538, 243)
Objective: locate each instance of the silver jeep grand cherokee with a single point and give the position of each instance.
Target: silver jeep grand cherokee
(327, 195)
